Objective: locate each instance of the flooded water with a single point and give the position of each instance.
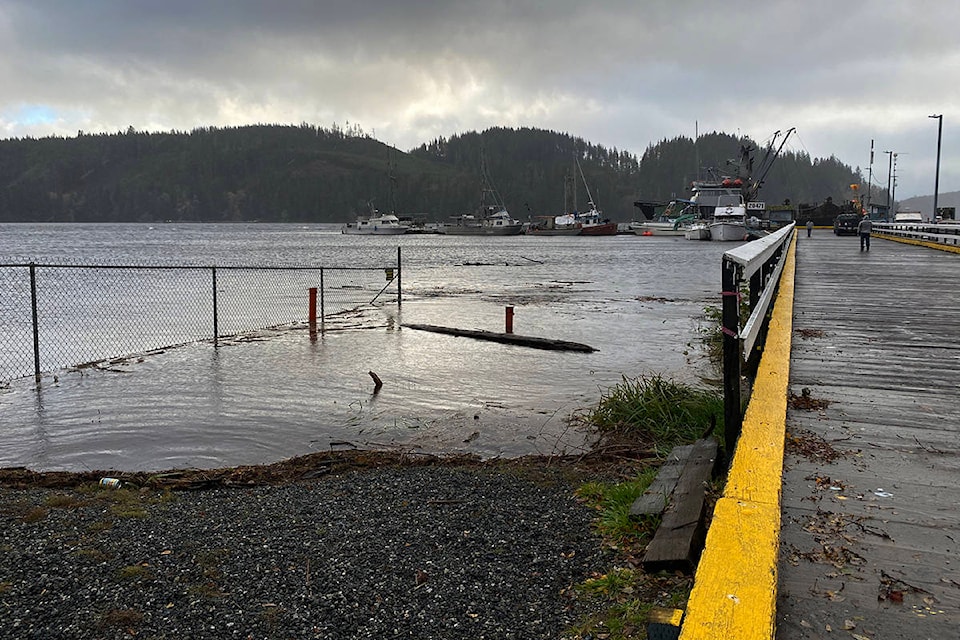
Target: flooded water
(280, 393)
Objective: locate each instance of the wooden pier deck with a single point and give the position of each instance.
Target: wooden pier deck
(870, 528)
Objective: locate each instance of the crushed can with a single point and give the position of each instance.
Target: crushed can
(110, 483)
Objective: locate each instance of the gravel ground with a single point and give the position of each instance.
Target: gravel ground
(396, 552)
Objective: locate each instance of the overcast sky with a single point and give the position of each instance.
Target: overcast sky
(622, 74)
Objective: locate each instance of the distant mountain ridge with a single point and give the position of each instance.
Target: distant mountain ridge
(304, 173)
(924, 204)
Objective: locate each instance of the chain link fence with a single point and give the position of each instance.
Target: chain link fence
(61, 316)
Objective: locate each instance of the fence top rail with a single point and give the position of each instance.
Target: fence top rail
(27, 265)
(752, 255)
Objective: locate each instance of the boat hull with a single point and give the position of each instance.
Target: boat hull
(373, 231)
(728, 232)
(604, 229)
(503, 230)
(697, 232)
(658, 229)
(541, 231)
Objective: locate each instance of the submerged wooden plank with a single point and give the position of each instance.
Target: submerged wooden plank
(506, 338)
(679, 538)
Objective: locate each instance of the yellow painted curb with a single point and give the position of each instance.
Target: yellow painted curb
(735, 587)
(922, 243)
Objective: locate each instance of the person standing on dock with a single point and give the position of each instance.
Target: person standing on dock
(863, 230)
(809, 227)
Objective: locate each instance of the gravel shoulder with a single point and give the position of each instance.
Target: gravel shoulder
(325, 546)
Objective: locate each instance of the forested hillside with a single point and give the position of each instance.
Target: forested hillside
(310, 174)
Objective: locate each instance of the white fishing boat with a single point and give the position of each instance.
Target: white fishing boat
(492, 222)
(492, 217)
(375, 225)
(675, 220)
(729, 221)
(723, 202)
(699, 230)
(577, 223)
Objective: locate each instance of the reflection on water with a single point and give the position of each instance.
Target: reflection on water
(280, 393)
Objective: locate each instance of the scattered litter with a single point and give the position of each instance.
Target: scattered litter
(880, 493)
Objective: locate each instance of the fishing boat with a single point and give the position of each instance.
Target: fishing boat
(379, 224)
(723, 202)
(492, 217)
(576, 223)
(729, 221)
(674, 220)
(493, 221)
(699, 230)
(592, 223)
(376, 224)
(565, 225)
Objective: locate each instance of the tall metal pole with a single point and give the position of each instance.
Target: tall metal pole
(893, 193)
(870, 177)
(936, 180)
(889, 178)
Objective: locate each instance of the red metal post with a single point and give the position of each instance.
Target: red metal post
(313, 310)
(509, 319)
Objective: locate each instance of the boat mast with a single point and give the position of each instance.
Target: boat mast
(585, 186)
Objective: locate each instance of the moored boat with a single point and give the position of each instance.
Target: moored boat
(674, 220)
(494, 222)
(375, 225)
(697, 231)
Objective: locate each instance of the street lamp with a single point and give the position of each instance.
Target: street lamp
(936, 181)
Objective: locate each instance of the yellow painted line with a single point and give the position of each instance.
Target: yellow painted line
(735, 588)
(922, 243)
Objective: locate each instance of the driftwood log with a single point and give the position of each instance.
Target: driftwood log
(506, 338)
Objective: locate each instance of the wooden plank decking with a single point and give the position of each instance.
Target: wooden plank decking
(871, 485)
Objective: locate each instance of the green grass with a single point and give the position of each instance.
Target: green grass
(657, 413)
(613, 502)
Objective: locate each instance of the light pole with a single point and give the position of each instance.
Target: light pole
(893, 193)
(889, 178)
(936, 180)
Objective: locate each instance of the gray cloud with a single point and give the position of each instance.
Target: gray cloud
(618, 73)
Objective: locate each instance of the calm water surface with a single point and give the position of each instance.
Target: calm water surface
(279, 393)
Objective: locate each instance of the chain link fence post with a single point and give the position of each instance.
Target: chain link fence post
(216, 328)
(36, 322)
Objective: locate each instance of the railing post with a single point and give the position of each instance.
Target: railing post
(36, 322)
(399, 274)
(730, 326)
(216, 327)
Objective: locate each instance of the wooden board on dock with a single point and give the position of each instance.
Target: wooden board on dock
(680, 536)
(506, 338)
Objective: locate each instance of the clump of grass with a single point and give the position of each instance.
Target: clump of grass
(121, 619)
(613, 501)
(657, 413)
(63, 501)
(135, 573)
(36, 514)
